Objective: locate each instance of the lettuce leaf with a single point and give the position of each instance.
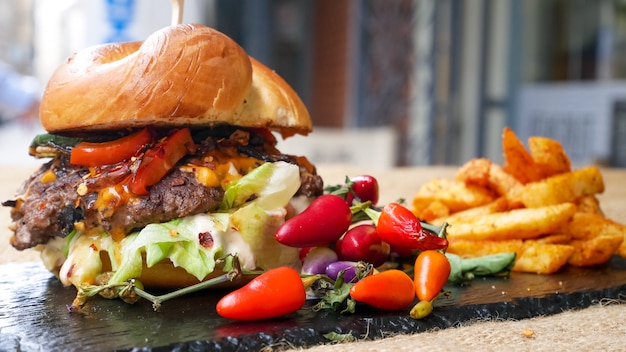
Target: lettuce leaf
(257, 228)
(271, 185)
(252, 205)
(176, 240)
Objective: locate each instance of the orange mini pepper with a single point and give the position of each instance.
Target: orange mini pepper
(389, 290)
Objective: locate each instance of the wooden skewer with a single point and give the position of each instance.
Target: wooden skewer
(177, 11)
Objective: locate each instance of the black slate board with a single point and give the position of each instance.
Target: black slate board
(34, 317)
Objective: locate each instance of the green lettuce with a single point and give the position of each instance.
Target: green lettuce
(253, 205)
(257, 228)
(271, 185)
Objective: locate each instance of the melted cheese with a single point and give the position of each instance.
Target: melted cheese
(83, 263)
(206, 176)
(226, 165)
(220, 168)
(109, 198)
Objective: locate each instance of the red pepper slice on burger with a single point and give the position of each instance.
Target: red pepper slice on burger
(107, 153)
(160, 159)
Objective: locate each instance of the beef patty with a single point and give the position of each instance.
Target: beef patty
(50, 208)
(49, 204)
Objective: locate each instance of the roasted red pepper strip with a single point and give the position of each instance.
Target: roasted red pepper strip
(160, 159)
(106, 153)
(399, 227)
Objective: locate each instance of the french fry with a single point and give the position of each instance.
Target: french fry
(475, 171)
(562, 188)
(501, 182)
(505, 185)
(522, 223)
(589, 204)
(484, 173)
(584, 226)
(541, 209)
(517, 160)
(549, 156)
(465, 248)
(558, 238)
(542, 258)
(434, 210)
(498, 205)
(594, 251)
(456, 195)
(621, 250)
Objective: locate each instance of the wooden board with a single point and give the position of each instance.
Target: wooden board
(34, 315)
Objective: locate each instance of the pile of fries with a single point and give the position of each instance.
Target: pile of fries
(534, 205)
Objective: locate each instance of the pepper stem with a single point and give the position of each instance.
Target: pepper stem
(157, 300)
(232, 269)
(440, 231)
(233, 274)
(373, 214)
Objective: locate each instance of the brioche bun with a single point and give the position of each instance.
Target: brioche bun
(183, 75)
(165, 276)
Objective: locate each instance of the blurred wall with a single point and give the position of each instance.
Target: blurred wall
(443, 76)
(16, 34)
(64, 26)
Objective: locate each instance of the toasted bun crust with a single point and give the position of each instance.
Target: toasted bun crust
(272, 102)
(164, 275)
(183, 75)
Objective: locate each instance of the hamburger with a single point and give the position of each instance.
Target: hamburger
(162, 159)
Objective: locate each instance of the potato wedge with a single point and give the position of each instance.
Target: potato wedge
(465, 248)
(475, 171)
(585, 226)
(563, 188)
(498, 205)
(522, 223)
(541, 209)
(549, 156)
(456, 195)
(517, 160)
(542, 258)
(434, 210)
(589, 204)
(503, 183)
(621, 250)
(594, 251)
(484, 173)
(558, 238)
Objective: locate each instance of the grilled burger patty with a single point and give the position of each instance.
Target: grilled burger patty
(50, 202)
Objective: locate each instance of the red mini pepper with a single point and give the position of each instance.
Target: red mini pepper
(399, 227)
(322, 223)
(274, 293)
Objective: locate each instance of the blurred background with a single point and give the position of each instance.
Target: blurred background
(388, 82)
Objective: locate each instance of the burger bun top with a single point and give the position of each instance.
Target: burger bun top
(183, 75)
